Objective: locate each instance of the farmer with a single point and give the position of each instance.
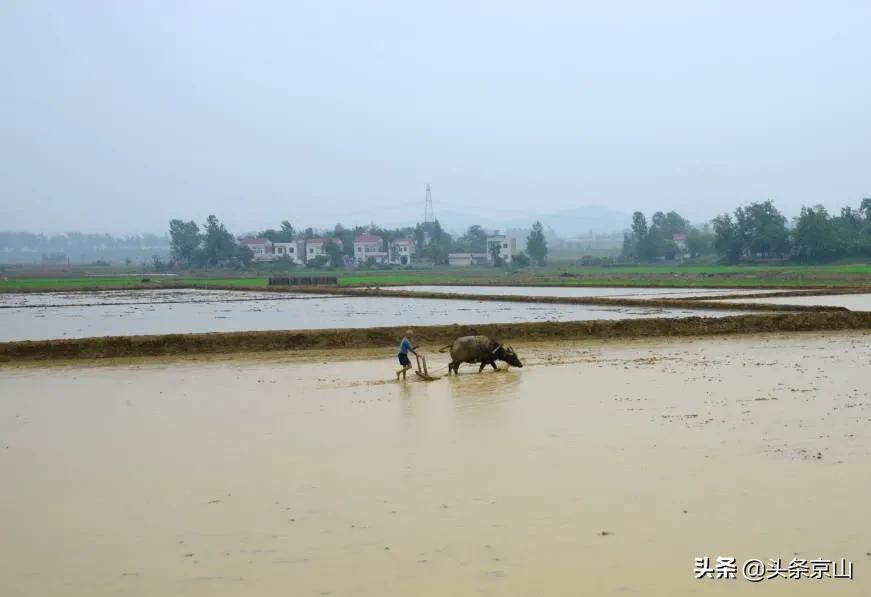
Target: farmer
(404, 347)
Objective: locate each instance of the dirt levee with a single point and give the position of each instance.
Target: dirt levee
(170, 344)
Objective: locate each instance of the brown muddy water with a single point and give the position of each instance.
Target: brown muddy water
(582, 291)
(48, 316)
(597, 469)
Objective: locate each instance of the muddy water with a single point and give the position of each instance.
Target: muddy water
(129, 297)
(580, 291)
(854, 302)
(599, 469)
(79, 315)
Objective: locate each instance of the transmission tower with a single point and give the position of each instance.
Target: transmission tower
(428, 216)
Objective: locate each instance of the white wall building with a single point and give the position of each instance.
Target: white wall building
(504, 244)
(401, 251)
(293, 251)
(261, 247)
(369, 248)
(467, 259)
(314, 247)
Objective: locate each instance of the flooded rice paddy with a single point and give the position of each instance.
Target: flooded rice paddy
(118, 313)
(582, 291)
(597, 469)
(854, 302)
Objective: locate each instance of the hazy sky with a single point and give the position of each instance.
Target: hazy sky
(119, 115)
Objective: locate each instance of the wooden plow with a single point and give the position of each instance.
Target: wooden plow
(423, 372)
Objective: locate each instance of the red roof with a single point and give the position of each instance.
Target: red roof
(367, 238)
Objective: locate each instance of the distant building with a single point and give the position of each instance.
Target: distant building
(680, 241)
(401, 251)
(315, 247)
(293, 251)
(467, 259)
(369, 248)
(502, 244)
(261, 247)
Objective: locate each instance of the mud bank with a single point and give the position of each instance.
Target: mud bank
(670, 303)
(230, 342)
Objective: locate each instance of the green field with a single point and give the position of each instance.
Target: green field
(739, 276)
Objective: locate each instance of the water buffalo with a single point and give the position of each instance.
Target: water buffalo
(480, 349)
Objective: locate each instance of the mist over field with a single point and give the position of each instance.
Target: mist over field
(117, 117)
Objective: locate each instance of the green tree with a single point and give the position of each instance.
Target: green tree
(700, 241)
(474, 240)
(184, 241)
(639, 243)
(536, 244)
(521, 260)
(495, 255)
(728, 243)
(334, 253)
(763, 230)
(219, 246)
(242, 256)
(814, 234)
(284, 234)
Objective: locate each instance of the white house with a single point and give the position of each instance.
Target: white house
(369, 248)
(401, 251)
(293, 251)
(261, 247)
(315, 247)
(680, 241)
(505, 245)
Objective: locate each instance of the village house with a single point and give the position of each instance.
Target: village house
(293, 251)
(503, 245)
(261, 247)
(401, 251)
(369, 248)
(680, 242)
(316, 247)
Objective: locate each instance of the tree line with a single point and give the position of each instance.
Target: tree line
(213, 246)
(756, 231)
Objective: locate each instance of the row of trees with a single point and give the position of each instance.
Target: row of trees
(759, 230)
(657, 241)
(755, 231)
(212, 247)
(432, 242)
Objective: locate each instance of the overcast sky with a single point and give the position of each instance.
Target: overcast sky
(117, 116)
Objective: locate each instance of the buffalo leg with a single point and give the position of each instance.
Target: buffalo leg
(493, 364)
(481, 368)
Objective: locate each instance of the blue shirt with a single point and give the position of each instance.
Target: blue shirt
(405, 346)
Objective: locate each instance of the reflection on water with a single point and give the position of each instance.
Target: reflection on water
(471, 389)
(92, 314)
(580, 291)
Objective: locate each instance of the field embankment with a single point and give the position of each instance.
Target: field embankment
(431, 336)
